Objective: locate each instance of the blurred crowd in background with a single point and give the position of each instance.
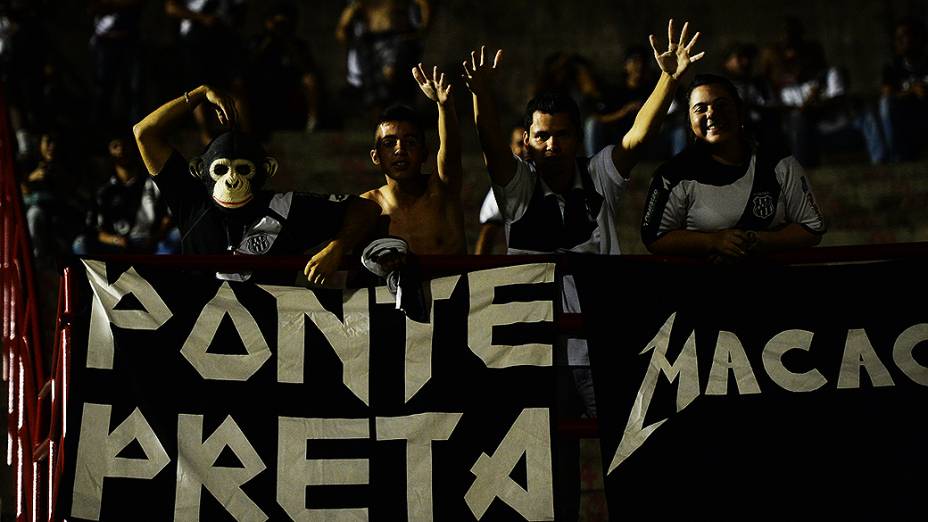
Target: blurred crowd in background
(86, 192)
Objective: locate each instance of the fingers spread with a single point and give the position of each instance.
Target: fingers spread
(417, 75)
(697, 57)
(686, 26)
(499, 54)
(670, 32)
(689, 46)
(653, 41)
(483, 52)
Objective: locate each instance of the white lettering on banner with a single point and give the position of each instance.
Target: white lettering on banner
(772, 357)
(484, 315)
(96, 456)
(419, 431)
(730, 357)
(903, 353)
(859, 354)
(196, 469)
(220, 366)
(350, 339)
(103, 315)
(685, 367)
(419, 335)
(295, 471)
(349, 336)
(530, 436)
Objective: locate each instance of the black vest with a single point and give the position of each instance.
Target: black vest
(542, 229)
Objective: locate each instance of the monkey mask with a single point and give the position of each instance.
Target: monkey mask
(233, 167)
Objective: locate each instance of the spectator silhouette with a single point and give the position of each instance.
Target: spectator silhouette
(817, 111)
(282, 79)
(116, 56)
(213, 51)
(51, 199)
(904, 92)
(613, 112)
(383, 39)
(129, 216)
(755, 91)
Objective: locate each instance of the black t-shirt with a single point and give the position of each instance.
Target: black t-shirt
(207, 228)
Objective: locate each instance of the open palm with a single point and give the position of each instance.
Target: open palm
(478, 73)
(435, 87)
(678, 56)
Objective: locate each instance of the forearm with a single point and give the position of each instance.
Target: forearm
(176, 9)
(110, 239)
(341, 30)
(496, 153)
(790, 237)
(152, 132)
(487, 237)
(425, 12)
(449, 151)
(652, 113)
(683, 243)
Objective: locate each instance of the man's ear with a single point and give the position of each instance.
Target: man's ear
(525, 138)
(270, 166)
(375, 157)
(196, 167)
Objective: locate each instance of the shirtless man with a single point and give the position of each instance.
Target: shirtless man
(423, 209)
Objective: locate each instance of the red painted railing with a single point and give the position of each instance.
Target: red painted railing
(31, 447)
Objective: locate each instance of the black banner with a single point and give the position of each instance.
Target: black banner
(191, 399)
(760, 391)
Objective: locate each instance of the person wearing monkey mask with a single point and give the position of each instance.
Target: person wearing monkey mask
(218, 204)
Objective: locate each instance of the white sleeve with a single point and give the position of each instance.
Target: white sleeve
(674, 216)
(801, 206)
(489, 211)
(602, 162)
(514, 198)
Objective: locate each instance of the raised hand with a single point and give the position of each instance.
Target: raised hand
(678, 56)
(478, 73)
(435, 88)
(223, 104)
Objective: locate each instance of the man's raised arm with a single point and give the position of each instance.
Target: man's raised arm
(152, 132)
(496, 152)
(436, 89)
(674, 62)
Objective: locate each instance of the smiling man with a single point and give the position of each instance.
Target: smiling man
(423, 209)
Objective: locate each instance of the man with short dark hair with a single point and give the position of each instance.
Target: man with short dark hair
(423, 209)
(556, 202)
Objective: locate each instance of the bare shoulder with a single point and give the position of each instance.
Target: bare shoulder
(373, 194)
(377, 195)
